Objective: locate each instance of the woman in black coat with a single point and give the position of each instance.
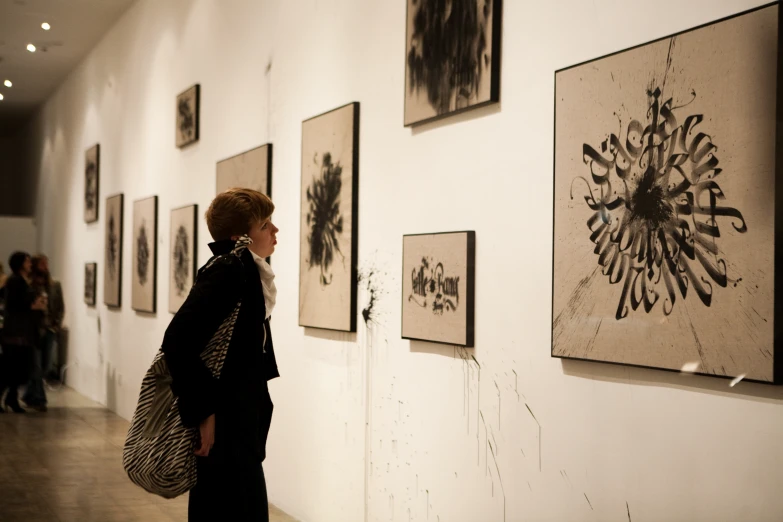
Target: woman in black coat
(23, 313)
(234, 412)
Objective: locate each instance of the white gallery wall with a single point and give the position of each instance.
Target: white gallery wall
(368, 426)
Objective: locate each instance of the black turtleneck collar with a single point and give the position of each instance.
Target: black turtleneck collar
(224, 246)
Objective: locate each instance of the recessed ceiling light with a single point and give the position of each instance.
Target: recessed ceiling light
(8, 83)
(1, 96)
(31, 48)
(45, 26)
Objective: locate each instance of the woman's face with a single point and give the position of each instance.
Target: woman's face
(264, 236)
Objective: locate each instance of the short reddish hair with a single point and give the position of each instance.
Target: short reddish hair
(235, 211)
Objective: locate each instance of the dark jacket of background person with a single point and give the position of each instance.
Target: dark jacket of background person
(21, 325)
(240, 398)
(55, 313)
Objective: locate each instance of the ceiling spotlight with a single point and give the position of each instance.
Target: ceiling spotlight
(45, 26)
(31, 48)
(1, 96)
(8, 83)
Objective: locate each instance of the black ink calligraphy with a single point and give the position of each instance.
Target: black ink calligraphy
(430, 280)
(324, 217)
(142, 254)
(656, 209)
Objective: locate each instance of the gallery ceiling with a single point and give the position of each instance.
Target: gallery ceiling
(76, 27)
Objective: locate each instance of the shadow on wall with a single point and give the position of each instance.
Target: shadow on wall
(682, 381)
(456, 119)
(111, 387)
(330, 335)
(445, 350)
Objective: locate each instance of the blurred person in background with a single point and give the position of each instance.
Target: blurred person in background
(52, 320)
(23, 313)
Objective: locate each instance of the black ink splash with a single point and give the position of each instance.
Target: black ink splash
(429, 279)
(371, 278)
(91, 187)
(187, 119)
(89, 283)
(142, 254)
(324, 218)
(181, 260)
(112, 246)
(449, 51)
(655, 222)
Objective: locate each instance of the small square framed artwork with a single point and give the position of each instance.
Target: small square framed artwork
(112, 266)
(251, 169)
(145, 255)
(92, 166)
(452, 57)
(90, 276)
(182, 254)
(188, 108)
(438, 287)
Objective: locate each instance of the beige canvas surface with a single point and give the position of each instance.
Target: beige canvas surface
(112, 272)
(435, 258)
(247, 170)
(143, 288)
(182, 250)
(327, 305)
(91, 195)
(418, 105)
(725, 72)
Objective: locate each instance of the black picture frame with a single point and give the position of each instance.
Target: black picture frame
(459, 36)
(92, 193)
(267, 186)
(90, 283)
(175, 301)
(144, 296)
(113, 251)
(407, 296)
(188, 100)
(348, 321)
(775, 370)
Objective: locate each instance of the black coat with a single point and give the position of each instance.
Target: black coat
(21, 323)
(240, 397)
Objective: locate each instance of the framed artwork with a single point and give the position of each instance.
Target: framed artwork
(438, 287)
(90, 276)
(145, 255)
(112, 265)
(188, 106)
(665, 215)
(251, 169)
(329, 221)
(452, 57)
(92, 165)
(182, 254)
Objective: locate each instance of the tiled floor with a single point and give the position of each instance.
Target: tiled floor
(66, 465)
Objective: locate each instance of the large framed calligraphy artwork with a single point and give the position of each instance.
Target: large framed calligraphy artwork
(665, 202)
(438, 287)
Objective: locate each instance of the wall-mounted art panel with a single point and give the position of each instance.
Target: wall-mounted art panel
(452, 60)
(90, 277)
(145, 255)
(251, 169)
(665, 202)
(329, 220)
(438, 287)
(112, 263)
(188, 108)
(92, 167)
(182, 254)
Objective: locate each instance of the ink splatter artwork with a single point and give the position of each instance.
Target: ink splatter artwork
(664, 202)
(452, 57)
(182, 254)
(438, 287)
(112, 266)
(188, 106)
(145, 239)
(91, 184)
(328, 273)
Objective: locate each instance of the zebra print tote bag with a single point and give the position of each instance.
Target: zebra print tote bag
(159, 450)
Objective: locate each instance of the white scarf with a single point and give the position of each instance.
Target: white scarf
(267, 283)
